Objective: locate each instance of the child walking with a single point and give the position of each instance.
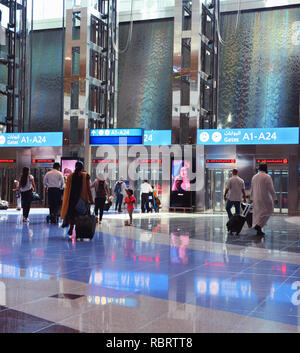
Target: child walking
(129, 201)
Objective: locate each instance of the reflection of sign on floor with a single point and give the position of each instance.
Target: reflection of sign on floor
(32, 273)
(101, 300)
(130, 281)
(241, 289)
(2, 294)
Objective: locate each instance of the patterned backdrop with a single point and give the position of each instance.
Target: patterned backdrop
(259, 81)
(259, 70)
(47, 81)
(145, 76)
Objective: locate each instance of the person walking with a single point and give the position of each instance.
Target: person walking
(76, 193)
(102, 194)
(146, 189)
(120, 193)
(263, 197)
(130, 201)
(54, 184)
(236, 188)
(16, 189)
(26, 187)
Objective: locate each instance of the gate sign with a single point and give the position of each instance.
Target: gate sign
(130, 136)
(157, 137)
(272, 136)
(116, 136)
(31, 139)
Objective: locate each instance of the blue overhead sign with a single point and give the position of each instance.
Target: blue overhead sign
(130, 137)
(272, 136)
(116, 132)
(116, 136)
(157, 137)
(31, 139)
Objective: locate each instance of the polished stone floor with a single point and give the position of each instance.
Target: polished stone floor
(168, 273)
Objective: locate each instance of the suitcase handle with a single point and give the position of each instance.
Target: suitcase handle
(247, 209)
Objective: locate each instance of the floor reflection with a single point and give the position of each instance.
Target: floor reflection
(118, 271)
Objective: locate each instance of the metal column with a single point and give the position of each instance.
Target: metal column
(15, 61)
(89, 85)
(195, 69)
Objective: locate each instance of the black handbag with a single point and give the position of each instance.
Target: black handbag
(82, 206)
(107, 205)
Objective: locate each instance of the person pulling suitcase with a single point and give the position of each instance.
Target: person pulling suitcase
(236, 188)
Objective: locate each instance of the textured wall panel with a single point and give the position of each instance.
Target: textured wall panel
(47, 81)
(259, 70)
(145, 76)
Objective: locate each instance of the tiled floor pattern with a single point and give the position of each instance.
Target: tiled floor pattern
(168, 273)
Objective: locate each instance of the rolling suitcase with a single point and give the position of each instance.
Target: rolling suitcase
(236, 222)
(85, 227)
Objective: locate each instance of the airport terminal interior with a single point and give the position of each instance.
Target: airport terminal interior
(195, 97)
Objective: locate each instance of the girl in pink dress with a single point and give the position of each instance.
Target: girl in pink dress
(130, 201)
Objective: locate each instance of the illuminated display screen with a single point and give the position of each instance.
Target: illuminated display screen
(181, 184)
(34, 161)
(273, 161)
(148, 161)
(68, 166)
(220, 161)
(95, 161)
(180, 179)
(7, 161)
(272, 136)
(31, 139)
(157, 137)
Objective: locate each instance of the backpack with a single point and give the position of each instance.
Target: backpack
(118, 188)
(101, 192)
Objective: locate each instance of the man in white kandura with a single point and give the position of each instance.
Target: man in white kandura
(263, 197)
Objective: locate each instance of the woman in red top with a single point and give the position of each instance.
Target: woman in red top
(130, 200)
